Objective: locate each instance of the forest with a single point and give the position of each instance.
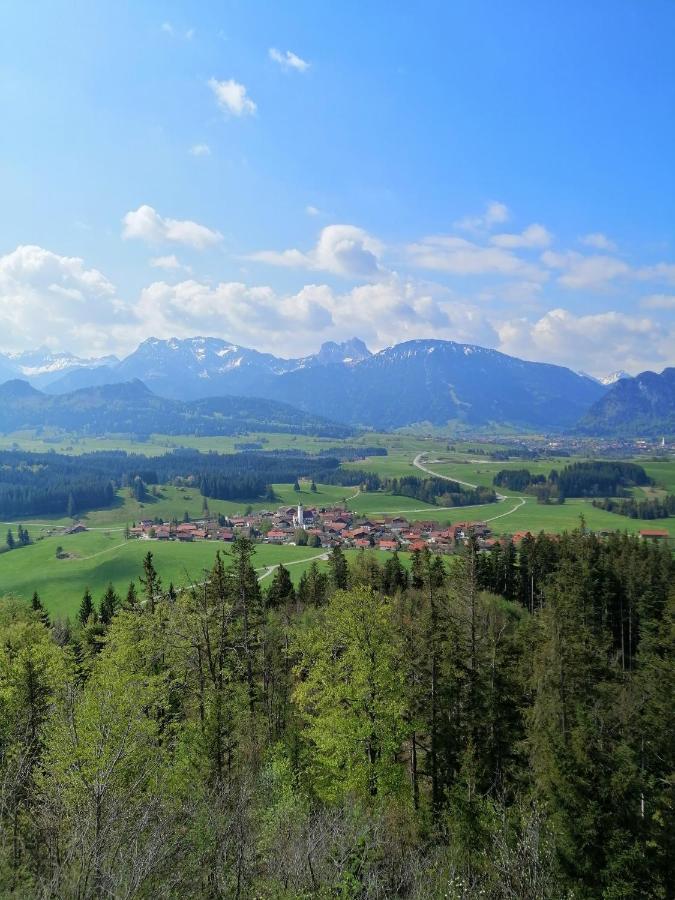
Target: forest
(439, 491)
(579, 479)
(57, 484)
(648, 508)
(498, 725)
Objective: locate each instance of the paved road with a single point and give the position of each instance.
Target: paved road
(500, 497)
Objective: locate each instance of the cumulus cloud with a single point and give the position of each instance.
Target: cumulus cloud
(55, 300)
(593, 342)
(146, 224)
(170, 263)
(534, 236)
(232, 97)
(382, 313)
(341, 249)
(495, 213)
(585, 272)
(200, 150)
(598, 241)
(458, 256)
(288, 60)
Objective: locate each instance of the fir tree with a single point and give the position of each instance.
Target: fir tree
(86, 611)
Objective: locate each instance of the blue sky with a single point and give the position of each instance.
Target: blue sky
(280, 174)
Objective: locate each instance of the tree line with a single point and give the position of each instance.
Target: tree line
(634, 508)
(498, 725)
(579, 479)
(439, 491)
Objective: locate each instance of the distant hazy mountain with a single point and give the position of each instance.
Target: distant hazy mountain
(207, 367)
(640, 406)
(440, 381)
(424, 381)
(130, 408)
(42, 366)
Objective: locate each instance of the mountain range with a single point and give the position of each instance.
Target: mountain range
(428, 382)
(420, 382)
(131, 408)
(643, 406)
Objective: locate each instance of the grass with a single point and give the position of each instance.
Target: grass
(97, 558)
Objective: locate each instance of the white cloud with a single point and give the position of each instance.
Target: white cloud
(55, 300)
(167, 27)
(381, 313)
(660, 272)
(312, 210)
(171, 263)
(446, 253)
(232, 97)
(288, 60)
(658, 301)
(200, 150)
(598, 241)
(495, 214)
(534, 236)
(341, 249)
(585, 272)
(146, 224)
(593, 342)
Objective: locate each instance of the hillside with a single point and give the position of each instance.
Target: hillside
(440, 381)
(640, 406)
(424, 381)
(131, 408)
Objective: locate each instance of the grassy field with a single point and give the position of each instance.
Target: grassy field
(102, 555)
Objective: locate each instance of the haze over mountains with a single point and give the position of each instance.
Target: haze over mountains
(131, 408)
(422, 381)
(641, 406)
(427, 382)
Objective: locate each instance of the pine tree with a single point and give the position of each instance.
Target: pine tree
(131, 600)
(281, 590)
(86, 610)
(10, 539)
(151, 582)
(296, 485)
(339, 570)
(109, 604)
(36, 606)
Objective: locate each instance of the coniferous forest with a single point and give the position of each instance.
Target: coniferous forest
(494, 725)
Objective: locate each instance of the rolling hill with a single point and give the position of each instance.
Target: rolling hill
(131, 408)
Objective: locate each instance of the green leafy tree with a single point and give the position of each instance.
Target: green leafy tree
(351, 695)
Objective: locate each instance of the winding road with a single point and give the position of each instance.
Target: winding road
(500, 497)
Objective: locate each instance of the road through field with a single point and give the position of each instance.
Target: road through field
(500, 497)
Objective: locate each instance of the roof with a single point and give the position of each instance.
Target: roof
(654, 532)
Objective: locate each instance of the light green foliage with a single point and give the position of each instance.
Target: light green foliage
(352, 697)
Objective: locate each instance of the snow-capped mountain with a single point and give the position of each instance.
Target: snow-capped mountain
(613, 377)
(421, 381)
(43, 366)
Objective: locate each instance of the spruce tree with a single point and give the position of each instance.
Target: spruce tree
(86, 610)
(109, 604)
(281, 590)
(339, 570)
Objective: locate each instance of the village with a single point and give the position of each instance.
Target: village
(324, 527)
